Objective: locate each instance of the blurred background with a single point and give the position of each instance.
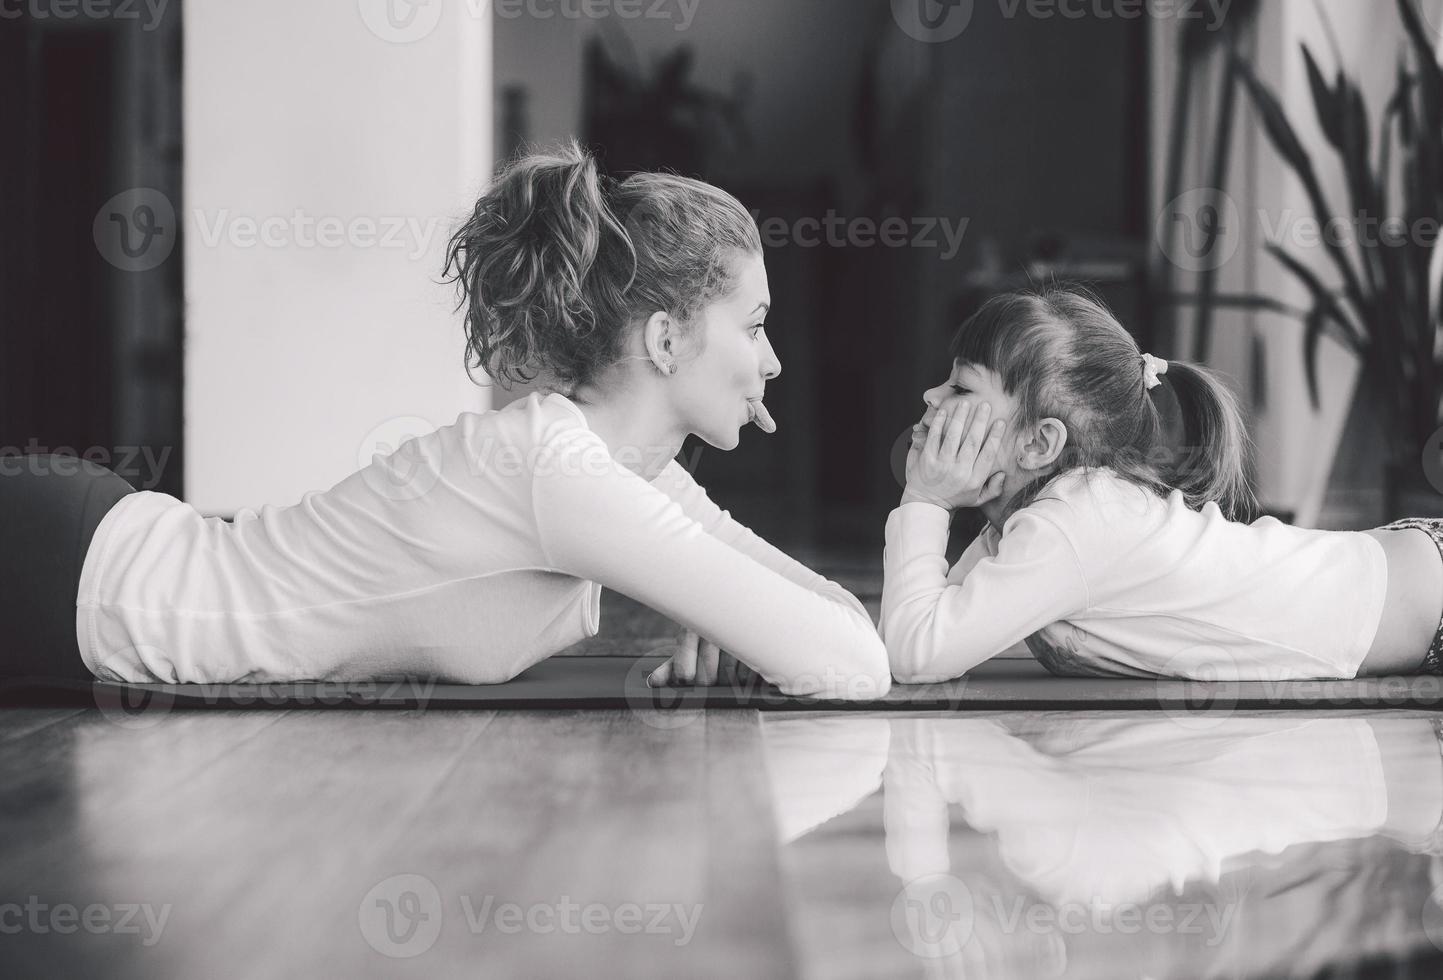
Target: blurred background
(223, 222)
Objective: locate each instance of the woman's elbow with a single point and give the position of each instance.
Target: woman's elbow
(862, 675)
(873, 676)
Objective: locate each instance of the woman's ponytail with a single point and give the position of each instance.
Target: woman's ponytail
(542, 265)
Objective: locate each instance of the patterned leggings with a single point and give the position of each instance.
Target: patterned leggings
(1433, 526)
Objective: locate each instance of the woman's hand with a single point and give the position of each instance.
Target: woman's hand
(698, 662)
(952, 466)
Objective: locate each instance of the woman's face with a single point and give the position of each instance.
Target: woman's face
(736, 359)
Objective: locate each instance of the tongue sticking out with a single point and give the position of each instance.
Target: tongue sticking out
(761, 416)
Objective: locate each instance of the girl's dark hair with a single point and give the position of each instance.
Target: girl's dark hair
(555, 262)
(1063, 354)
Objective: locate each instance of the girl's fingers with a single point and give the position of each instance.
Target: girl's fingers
(661, 677)
(977, 430)
(952, 444)
(934, 432)
(710, 655)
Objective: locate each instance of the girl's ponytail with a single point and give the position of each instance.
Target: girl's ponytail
(541, 266)
(1216, 451)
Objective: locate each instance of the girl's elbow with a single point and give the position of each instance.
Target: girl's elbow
(906, 674)
(902, 656)
(911, 663)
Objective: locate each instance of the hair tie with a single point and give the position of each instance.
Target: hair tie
(1151, 368)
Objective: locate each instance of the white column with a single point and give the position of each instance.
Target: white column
(330, 148)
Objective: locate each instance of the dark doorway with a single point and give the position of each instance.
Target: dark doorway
(90, 258)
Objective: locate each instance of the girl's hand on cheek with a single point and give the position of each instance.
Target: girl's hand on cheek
(954, 466)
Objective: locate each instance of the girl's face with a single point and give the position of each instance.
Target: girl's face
(975, 384)
(736, 359)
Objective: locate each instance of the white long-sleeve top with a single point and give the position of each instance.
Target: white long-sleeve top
(1101, 577)
(467, 555)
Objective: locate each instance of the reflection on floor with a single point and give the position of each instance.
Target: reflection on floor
(1079, 845)
(437, 843)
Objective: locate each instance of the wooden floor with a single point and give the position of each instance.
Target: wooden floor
(440, 843)
(386, 843)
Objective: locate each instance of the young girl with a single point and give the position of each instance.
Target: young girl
(1110, 555)
(475, 551)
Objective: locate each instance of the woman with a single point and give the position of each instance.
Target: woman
(479, 549)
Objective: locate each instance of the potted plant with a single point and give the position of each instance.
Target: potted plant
(1386, 308)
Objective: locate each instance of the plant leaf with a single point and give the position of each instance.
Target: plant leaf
(1285, 141)
(1275, 121)
(1325, 101)
(1312, 330)
(1430, 86)
(1322, 297)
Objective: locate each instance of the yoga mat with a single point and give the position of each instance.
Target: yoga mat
(620, 682)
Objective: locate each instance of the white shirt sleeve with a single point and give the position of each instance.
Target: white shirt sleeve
(971, 555)
(936, 629)
(682, 487)
(598, 520)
